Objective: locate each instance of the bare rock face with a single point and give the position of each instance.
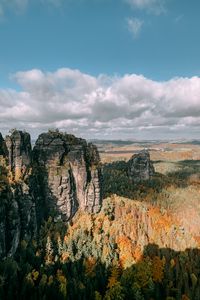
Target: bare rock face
(60, 175)
(2, 146)
(17, 206)
(140, 167)
(68, 174)
(2, 195)
(18, 218)
(19, 153)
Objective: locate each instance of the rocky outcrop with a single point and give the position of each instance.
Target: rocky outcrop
(17, 206)
(69, 175)
(60, 175)
(19, 153)
(2, 146)
(140, 167)
(18, 218)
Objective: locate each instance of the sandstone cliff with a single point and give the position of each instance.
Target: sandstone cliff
(19, 153)
(2, 146)
(59, 176)
(122, 230)
(140, 167)
(17, 206)
(67, 171)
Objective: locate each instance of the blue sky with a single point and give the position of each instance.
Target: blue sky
(92, 35)
(156, 39)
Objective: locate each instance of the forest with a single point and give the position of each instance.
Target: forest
(100, 257)
(142, 245)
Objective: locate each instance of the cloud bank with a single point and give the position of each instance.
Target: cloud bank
(130, 106)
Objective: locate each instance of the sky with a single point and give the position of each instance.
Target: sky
(105, 69)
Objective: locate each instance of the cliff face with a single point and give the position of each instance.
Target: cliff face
(140, 167)
(19, 153)
(60, 175)
(2, 145)
(17, 206)
(18, 218)
(122, 230)
(69, 176)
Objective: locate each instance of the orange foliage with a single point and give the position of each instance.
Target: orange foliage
(113, 279)
(184, 297)
(157, 269)
(137, 254)
(197, 238)
(126, 249)
(90, 264)
(65, 256)
(159, 221)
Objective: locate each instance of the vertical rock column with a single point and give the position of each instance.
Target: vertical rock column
(19, 153)
(18, 204)
(69, 176)
(140, 167)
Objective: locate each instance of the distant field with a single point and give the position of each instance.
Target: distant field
(177, 189)
(165, 152)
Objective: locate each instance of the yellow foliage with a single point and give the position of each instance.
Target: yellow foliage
(114, 277)
(50, 280)
(23, 245)
(172, 263)
(18, 173)
(61, 277)
(62, 282)
(35, 275)
(126, 251)
(64, 257)
(30, 279)
(137, 254)
(157, 269)
(90, 264)
(194, 279)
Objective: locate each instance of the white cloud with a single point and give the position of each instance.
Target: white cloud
(152, 6)
(134, 26)
(102, 106)
(20, 6)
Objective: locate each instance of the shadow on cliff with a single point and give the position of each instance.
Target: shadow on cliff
(46, 201)
(161, 273)
(3, 178)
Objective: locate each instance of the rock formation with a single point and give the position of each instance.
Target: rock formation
(3, 149)
(1, 145)
(19, 153)
(59, 176)
(17, 206)
(69, 174)
(140, 167)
